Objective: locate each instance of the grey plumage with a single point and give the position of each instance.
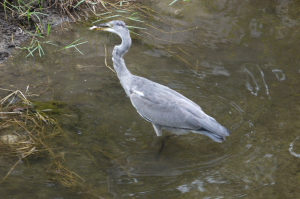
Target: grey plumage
(158, 104)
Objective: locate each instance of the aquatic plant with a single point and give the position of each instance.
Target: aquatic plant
(29, 132)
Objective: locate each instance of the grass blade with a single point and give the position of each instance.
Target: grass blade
(103, 13)
(135, 19)
(79, 3)
(48, 29)
(112, 16)
(122, 11)
(78, 50)
(97, 21)
(172, 2)
(135, 27)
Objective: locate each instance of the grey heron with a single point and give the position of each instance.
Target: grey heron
(158, 104)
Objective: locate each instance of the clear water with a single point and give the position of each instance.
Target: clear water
(241, 65)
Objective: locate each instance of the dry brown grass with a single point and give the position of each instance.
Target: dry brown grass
(25, 132)
(35, 10)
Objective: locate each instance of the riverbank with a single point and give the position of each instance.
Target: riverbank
(20, 20)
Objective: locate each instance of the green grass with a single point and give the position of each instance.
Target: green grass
(38, 41)
(73, 45)
(175, 2)
(22, 9)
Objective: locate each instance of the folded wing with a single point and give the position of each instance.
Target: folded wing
(166, 107)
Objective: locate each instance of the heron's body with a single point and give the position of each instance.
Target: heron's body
(158, 104)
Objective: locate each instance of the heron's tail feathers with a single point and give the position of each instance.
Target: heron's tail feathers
(213, 136)
(213, 130)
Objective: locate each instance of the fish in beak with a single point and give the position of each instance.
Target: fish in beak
(104, 26)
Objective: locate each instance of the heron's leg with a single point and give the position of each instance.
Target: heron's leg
(162, 146)
(157, 129)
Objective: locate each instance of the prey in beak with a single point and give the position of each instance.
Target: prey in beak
(104, 26)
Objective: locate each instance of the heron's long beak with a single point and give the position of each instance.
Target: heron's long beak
(104, 26)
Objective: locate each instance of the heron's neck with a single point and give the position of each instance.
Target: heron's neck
(124, 46)
(119, 65)
(118, 53)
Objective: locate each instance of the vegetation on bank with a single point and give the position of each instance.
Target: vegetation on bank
(35, 18)
(28, 131)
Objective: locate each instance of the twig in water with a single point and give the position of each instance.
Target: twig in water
(106, 62)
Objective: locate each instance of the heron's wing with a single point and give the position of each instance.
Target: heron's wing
(159, 105)
(162, 112)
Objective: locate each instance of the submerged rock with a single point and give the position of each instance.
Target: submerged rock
(9, 139)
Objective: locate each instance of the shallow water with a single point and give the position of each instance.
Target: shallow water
(239, 60)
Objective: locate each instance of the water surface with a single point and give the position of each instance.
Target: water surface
(239, 60)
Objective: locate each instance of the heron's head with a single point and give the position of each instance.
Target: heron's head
(117, 27)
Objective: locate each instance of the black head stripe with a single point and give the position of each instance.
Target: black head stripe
(120, 23)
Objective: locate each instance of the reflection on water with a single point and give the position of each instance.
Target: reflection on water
(240, 64)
